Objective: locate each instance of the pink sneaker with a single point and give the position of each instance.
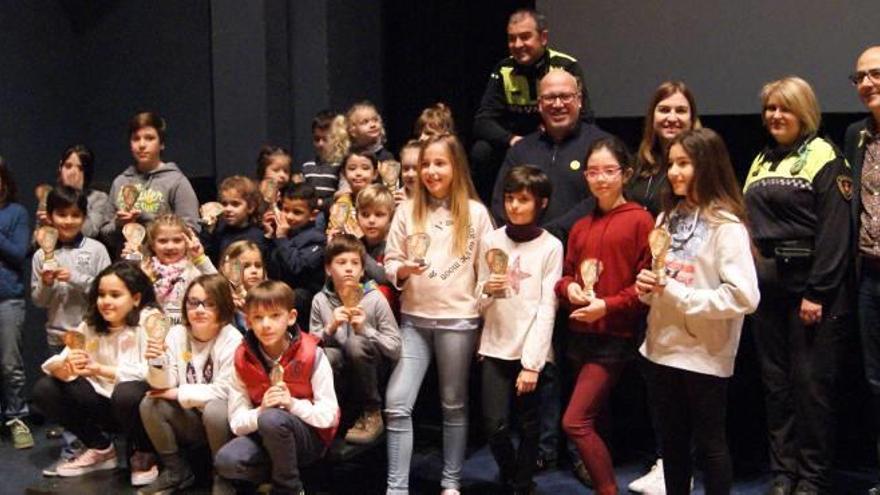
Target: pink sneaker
(88, 461)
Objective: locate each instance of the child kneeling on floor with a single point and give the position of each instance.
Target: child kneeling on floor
(281, 403)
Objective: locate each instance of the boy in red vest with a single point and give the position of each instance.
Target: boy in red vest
(282, 404)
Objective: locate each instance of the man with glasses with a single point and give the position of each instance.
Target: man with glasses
(508, 108)
(862, 150)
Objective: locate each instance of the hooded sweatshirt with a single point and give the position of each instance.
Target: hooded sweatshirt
(619, 240)
(164, 189)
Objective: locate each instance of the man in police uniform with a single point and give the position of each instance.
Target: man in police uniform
(509, 107)
(862, 150)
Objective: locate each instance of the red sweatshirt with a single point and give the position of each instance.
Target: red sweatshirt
(619, 240)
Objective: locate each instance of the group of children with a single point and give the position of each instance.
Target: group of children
(315, 299)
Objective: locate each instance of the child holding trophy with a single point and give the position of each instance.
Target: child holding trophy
(95, 384)
(188, 402)
(281, 402)
(519, 264)
(606, 250)
(698, 301)
(177, 258)
(431, 257)
(242, 264)
(359, 335)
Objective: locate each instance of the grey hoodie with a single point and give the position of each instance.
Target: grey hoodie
(162, 190)
(379, 326)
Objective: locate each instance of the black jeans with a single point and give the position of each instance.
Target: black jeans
(89, 415)
(692, 409)
(499, 390)
(799, 368)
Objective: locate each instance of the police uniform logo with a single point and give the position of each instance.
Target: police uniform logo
(845, 184)
(574, 165)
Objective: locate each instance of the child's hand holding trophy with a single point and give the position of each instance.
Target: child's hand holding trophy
(210, 212)
(497, 286)
(416, 250)
(134, 234)
(654, 280)
(594, 308)
(47, 237)
(157, 326)
(351, 294)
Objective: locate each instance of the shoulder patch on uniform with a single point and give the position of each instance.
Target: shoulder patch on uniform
(845, 184)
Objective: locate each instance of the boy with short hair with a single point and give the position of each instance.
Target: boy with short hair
(282, 404)
(296, 250)
(359, 340)
(321, 173)
(375, 208)
(64, 291)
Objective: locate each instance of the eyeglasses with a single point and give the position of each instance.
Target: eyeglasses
(856, 78)
(565, 98)
(608, 173)
(193, 303)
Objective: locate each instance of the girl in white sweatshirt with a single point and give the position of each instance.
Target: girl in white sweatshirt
(439, 313)
(190, 373)
(697, 312)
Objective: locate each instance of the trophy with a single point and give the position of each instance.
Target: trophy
(46, 238)
(590, 270)
(210, 212)
(134, 233)
(157, 326)
(234, 272)
(659, 241)
(497, 260)
(417, 247)
(389, 171)
(74, 340)
(276, 375)
(269, 192)
(343, 217)
(130, 193)
(350, 293)
(42, 192)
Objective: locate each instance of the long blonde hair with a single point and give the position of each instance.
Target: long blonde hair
(461, 191)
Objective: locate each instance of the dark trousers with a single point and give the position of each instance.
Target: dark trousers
(588, 400)
(869, 325)
(499, 392)
(88, 415)
(275, 452)
(692, 410)
(799, 368)
(356, 369)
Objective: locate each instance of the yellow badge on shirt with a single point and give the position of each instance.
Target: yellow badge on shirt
(845, 184)
(574, 165)
(186, 356)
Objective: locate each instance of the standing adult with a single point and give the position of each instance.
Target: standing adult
(509, 107)
(797, 193)
(862, 150)
(161, 186)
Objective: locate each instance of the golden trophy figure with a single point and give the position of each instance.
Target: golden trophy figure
(590, 269)
(210, 212)
(134, 234)
(42, 192)
(269, 193)
(389, 171)
(350, 293)
(498, 260)
(157, 326)
(659, 241)
(343, 217)
(74, 340)
(276, 375)
(234, 272)
(47, 237)
(130, 194)
(417, 248)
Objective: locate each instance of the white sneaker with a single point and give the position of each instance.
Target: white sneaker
(652, 483)
(450, 491)
(88, 461)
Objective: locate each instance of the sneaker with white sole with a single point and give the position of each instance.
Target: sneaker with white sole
(144, 468)
(87, 462)
(21, 434)
(652, 483)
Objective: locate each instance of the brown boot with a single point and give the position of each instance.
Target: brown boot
(366, 429)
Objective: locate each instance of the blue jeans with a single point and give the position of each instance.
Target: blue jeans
(454, 350)
(11, 364)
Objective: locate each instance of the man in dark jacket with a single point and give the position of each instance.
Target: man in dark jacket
(862, 150)
(559, 150)
(509, 107)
